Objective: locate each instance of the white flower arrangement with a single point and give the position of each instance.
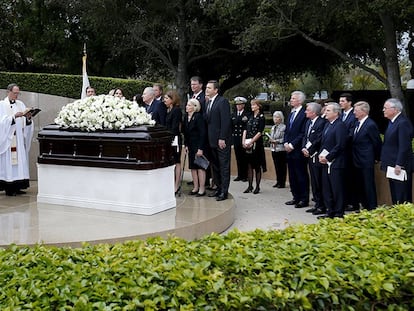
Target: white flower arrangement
(103, 112)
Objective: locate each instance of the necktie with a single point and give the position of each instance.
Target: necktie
(344, 116)
(357, 127)
(310, 128)
(208, 106)
(327, 129)
(292, 118)
(194, 96)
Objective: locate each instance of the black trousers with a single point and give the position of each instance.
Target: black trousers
(221, 168)
(279, 161)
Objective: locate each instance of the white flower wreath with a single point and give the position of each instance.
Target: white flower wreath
(103, 112)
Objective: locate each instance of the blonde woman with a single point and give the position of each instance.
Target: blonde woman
(195, 139)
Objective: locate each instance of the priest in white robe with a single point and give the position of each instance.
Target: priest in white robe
(16, 132)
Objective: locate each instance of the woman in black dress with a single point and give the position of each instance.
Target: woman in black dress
(195, 138)
(173, 122)
(253, 144)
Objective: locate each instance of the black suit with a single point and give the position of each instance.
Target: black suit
(350, 187)
(312, 143)
(194, 136)
(366, 146)
(219, 128)
(397, 150)
(173, 122)
(297, 163)
(239, 123)
(158, 111)
(334, 138)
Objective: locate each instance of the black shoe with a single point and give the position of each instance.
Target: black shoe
(11, 193)
(275, 185)
(324, 216)
(193, 192)
(214, 194)
(244, 180)
(237, 178)
(20, 192)
(301, 204)
(291, 202)
(190, 183)
(221, 197)
(249, 189)
(257, 190)
(311, 210)
(201, 194)
(351, 208)
(281, 186)
(319, 212)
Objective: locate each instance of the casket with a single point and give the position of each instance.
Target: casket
(136, 148)
(125, 171)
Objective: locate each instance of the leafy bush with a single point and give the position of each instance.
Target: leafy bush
(362, 262)
(69, 85)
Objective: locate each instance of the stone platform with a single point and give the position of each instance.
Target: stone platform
(24, 221)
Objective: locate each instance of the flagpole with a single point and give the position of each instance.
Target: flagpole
(85, 79)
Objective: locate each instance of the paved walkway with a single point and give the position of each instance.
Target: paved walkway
(267, 209)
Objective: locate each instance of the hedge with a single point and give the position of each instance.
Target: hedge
(69, 85)
(362, 262)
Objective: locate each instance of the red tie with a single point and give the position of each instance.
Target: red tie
(194, 96)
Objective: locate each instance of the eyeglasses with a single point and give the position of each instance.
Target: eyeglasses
(385, 108)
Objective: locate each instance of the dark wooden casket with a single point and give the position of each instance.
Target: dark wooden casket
(136, 148)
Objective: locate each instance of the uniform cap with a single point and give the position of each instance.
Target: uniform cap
(240, 100)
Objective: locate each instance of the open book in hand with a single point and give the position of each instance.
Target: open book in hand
(33, 111)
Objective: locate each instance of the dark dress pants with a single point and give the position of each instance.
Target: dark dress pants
(221, 168)
(279, 161)
(401, 191)
(315, 172)
(365, 189)
(333, 190)
(298, 179)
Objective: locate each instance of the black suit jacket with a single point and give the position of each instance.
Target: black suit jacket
(334, 139)
(366, 145)
(158, 111)
(294, 134)
(397, 149)
(219, 122)
(314, 136)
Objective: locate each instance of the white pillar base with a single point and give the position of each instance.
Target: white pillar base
(144, 192)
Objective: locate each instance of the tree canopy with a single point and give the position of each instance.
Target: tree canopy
(227, 40)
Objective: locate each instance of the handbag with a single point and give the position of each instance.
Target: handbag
(202, 162)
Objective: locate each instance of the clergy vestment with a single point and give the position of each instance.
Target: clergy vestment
(15, 140)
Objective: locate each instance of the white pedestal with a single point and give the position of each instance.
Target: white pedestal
(144, 192)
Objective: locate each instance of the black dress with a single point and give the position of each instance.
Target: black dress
(256, 158)
(173, 122)
(195, 136)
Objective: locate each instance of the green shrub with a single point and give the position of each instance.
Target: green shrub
(362, 262)
(69, 85)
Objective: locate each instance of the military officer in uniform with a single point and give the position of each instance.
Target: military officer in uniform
(239, 120)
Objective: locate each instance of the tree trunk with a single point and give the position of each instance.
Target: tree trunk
(391, 57)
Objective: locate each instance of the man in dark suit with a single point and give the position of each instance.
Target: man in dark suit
(196, 84)
(219, 137)
(310, 148)
(347, 116)
(239, 119)
(297, 163)
(397, 151)
(332, 156)
(156, 108)
(366, 147)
